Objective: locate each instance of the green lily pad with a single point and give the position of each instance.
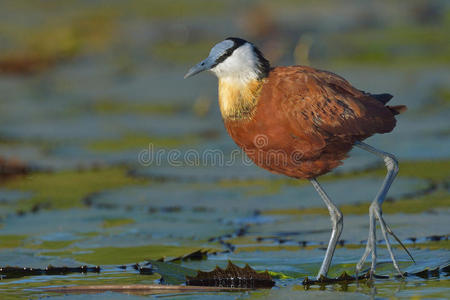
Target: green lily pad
(124, 107)
(136, 141)
(50, 245)
(438, 199)
(11, 241)
(66, 189)
(122, 255)
(108, 223)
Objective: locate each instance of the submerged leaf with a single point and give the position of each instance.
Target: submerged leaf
(232, 276)
(171, 273)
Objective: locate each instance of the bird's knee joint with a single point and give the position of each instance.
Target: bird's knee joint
(374, 207)
(391, 163)
(338, 219)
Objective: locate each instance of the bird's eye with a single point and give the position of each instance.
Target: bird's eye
(202, 63)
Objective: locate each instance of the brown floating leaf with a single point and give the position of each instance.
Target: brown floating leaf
(232, 276)
(27, 63)
(11, 167)
(344, 278)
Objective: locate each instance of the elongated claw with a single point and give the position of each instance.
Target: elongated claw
(389, 230)
(375, 211)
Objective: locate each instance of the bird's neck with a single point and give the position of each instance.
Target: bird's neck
(237, 98)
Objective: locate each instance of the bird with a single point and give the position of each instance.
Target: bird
(302, 122)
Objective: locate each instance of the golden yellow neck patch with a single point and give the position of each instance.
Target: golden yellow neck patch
(237, 100)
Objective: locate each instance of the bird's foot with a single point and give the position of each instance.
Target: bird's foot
(375, 212)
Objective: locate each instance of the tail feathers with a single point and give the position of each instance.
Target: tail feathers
(383, 98)
(397, 109)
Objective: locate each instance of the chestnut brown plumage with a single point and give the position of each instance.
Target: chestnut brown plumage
(301, 122)
(313, 116)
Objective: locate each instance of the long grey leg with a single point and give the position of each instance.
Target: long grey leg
(338, 223)
(375, 211)
(370, 246)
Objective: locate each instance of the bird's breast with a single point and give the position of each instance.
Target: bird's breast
(237, 99)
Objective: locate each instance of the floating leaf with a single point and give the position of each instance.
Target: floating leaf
(279, 275)
(427, 273)
(67, 189)
(123, 255)
(17, 272)
(232, 276)
(171, 273)
(446, 269)
(9, 168)
(117, 222)
(344, 278)
(196, 255)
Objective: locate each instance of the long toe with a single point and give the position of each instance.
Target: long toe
(363, 259)
(370, 245)
(385, 230)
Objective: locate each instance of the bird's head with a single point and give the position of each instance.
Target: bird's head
(233, 58)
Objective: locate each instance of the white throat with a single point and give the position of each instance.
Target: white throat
(239, 68)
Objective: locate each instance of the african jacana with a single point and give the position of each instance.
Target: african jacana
(301, 122)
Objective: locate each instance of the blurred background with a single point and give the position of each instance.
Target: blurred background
(91, 90)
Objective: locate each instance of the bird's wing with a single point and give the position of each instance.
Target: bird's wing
(322, 103)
